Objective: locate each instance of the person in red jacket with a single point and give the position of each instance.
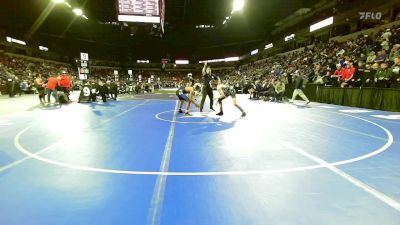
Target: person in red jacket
(65, 84)
(52, 84)
(348, 74)
(336, 76)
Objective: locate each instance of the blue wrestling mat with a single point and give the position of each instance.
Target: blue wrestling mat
(140, 162)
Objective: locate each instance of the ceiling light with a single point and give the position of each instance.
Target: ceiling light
(78, 12)
(58, 1)
(321, 24)
(268, 46)
(67, 4)
(231, 59)
(10, 39)
(182, 62)
(238, 5)
(42, 48)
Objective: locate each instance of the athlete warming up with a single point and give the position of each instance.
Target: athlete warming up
(187, 94)
(226, 91)
(299, 87)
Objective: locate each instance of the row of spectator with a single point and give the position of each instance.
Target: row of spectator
(367, 61)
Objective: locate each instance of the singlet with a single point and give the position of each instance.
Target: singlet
(183, 90)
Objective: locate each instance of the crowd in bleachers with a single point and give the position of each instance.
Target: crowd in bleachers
(158, 79)
(17, 74)
(367, 61)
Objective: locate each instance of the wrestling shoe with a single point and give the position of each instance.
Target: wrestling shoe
(243, 114)
(220, 114)
(180, 111)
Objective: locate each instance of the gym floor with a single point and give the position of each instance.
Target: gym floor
(137, 161)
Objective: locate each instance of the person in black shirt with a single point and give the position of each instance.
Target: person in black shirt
(102, 90)
(93, 91)
(208, 78)
(367, 77)
(11, 83)
(113, 90)
(40, 88)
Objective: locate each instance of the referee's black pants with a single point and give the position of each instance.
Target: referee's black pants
(207, 91)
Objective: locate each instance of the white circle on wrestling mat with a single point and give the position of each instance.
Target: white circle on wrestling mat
(211, 173)
(220, 119)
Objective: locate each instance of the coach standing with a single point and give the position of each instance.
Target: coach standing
(65, 84)
(11, 85)
(52, 84)
(207, 89)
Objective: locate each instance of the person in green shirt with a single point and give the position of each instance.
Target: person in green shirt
(383, 76)
(395, 81)
(395, 52)
(279, 89)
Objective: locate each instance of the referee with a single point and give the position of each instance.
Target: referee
(207, 89)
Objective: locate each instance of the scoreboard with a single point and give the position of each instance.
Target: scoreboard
(83, 66)
(144, 11)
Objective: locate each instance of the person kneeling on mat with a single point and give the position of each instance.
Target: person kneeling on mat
(187, 94)
(226, 91)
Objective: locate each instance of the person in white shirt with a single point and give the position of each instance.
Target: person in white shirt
(386, 35)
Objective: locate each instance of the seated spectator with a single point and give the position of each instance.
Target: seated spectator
(348, 74)
(385, 45)
(386, 35)
(256, 90)
(24, 87)
(375, 66)
(259, 88)
(359, 72)
(319, 80)
(368, 76)
(363, 57)
(395, 38)
(269, 91)
(371, 57)
(395, 52)
(383, 76)
(279, 90)
(395, 81)
(381, 56)
(336, 76)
